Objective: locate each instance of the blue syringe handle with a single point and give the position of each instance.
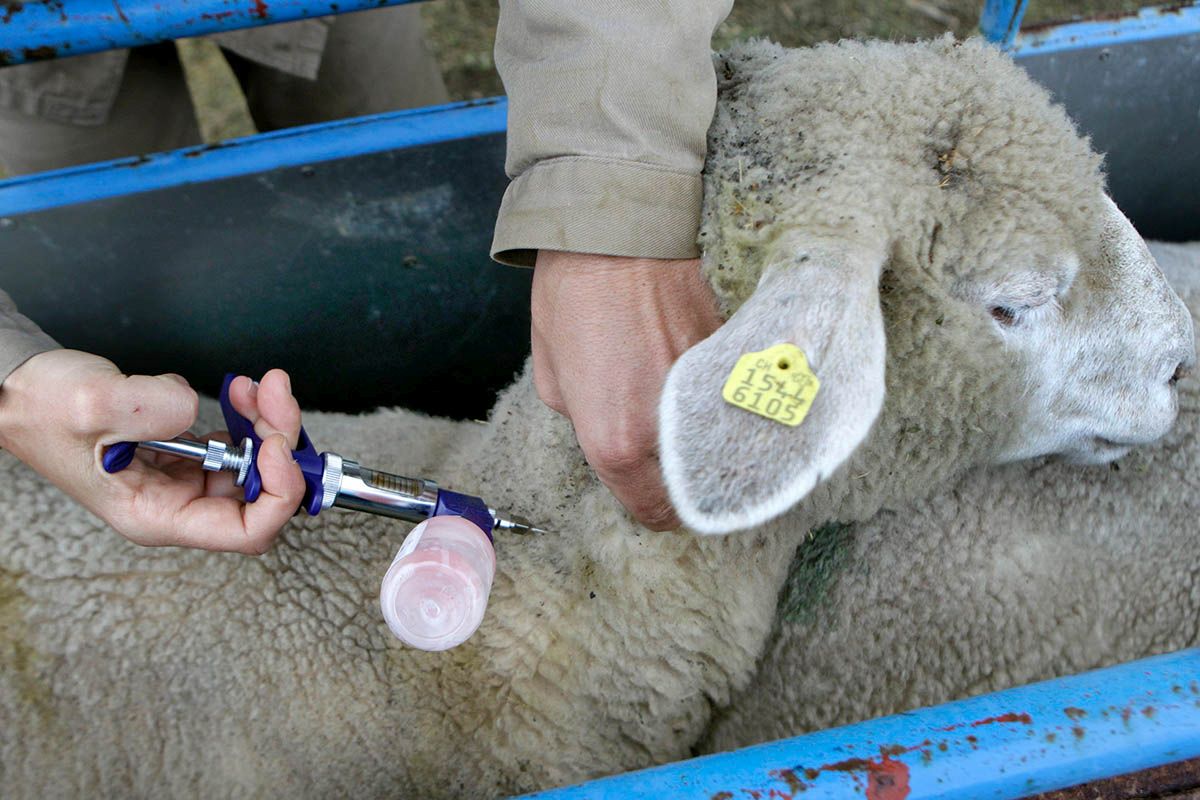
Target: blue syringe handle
(356, 488)
(312, 465)
(118, 456)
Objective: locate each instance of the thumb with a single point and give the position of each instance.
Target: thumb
(144, 407)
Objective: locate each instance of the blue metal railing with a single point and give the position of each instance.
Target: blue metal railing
(36, 30)
(1001, 24)
(1001, 19)
(1010, 744)
(291, 147)
(1149, 23)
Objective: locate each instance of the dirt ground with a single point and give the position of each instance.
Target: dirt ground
(461, 33)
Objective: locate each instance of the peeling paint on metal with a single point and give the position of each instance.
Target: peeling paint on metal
(1106, 29)
(789, 777)
(1011, 716)
(888, 780)
(994, 751)
(93, 26)
(43, 53)
(11, 7)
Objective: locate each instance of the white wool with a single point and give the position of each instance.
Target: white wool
(127, 672)
(1011, 576)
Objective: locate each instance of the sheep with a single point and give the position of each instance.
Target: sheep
(1014, 575)
(841, 207)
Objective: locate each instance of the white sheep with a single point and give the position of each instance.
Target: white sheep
(1013, 575)
(926, 192)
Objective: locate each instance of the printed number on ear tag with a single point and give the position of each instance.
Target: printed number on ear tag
(776, 383)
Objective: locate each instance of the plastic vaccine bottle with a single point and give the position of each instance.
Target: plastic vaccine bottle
(436, 590)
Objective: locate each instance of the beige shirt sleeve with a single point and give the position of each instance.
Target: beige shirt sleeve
(20, 339)
(609, 106)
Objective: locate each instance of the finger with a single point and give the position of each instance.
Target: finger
(641, 490)
(269, 405)
(545, 382)
(626, 461)
(141, 407)
(219, 523)
(279, 409)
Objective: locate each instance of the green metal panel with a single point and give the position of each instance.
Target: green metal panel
(368, 278)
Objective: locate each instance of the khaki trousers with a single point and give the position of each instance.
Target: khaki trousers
(373, 61)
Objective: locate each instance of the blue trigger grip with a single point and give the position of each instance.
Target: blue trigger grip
(240, 429)
(118, 456)
(312, 464)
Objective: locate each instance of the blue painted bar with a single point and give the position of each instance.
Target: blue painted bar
(1010, 744)
(292, 147)
(36, 30)
(1001, 19)
(1149, 23)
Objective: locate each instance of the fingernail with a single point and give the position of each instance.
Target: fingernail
(253, 390)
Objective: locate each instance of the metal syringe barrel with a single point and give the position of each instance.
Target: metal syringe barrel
(333, 481)
(363, 489)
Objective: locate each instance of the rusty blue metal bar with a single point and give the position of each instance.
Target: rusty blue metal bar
(1001, 19)
(1148, 23)
(36, 30)
(291, 147)
(1010, 744)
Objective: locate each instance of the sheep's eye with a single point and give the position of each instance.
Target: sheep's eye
(1004, 315)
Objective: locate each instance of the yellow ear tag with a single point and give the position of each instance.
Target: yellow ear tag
(775, 383)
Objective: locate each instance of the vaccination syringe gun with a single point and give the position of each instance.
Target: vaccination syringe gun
(435, 593)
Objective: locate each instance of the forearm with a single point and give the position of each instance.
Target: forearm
(20, 339)
(609, 106)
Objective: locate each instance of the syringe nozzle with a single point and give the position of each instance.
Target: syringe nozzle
(516, 525)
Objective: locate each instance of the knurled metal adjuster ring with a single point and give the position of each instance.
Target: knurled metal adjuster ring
(331, 479)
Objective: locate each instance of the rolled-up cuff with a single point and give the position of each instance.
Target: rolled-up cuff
(17, 347)
(581, 204)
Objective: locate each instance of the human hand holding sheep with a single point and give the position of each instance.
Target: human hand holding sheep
(605, 332)
(60, 409)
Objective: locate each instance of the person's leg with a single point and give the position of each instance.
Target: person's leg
(373, 61)
(152, 112)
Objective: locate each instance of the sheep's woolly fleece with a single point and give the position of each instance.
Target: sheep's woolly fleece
(131, 672)
(894, 116)
(1014, 575)
(942, 164)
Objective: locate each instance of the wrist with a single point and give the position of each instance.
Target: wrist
(570, 260)
(13, 389)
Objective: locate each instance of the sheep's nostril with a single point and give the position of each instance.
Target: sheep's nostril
(1180, 373)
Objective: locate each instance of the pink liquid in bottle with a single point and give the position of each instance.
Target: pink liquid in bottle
(436, 590)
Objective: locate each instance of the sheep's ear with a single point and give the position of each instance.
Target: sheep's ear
(728, 468)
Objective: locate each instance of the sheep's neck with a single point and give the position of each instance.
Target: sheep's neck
(673, 621)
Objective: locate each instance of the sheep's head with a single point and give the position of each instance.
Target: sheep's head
(923, 224)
